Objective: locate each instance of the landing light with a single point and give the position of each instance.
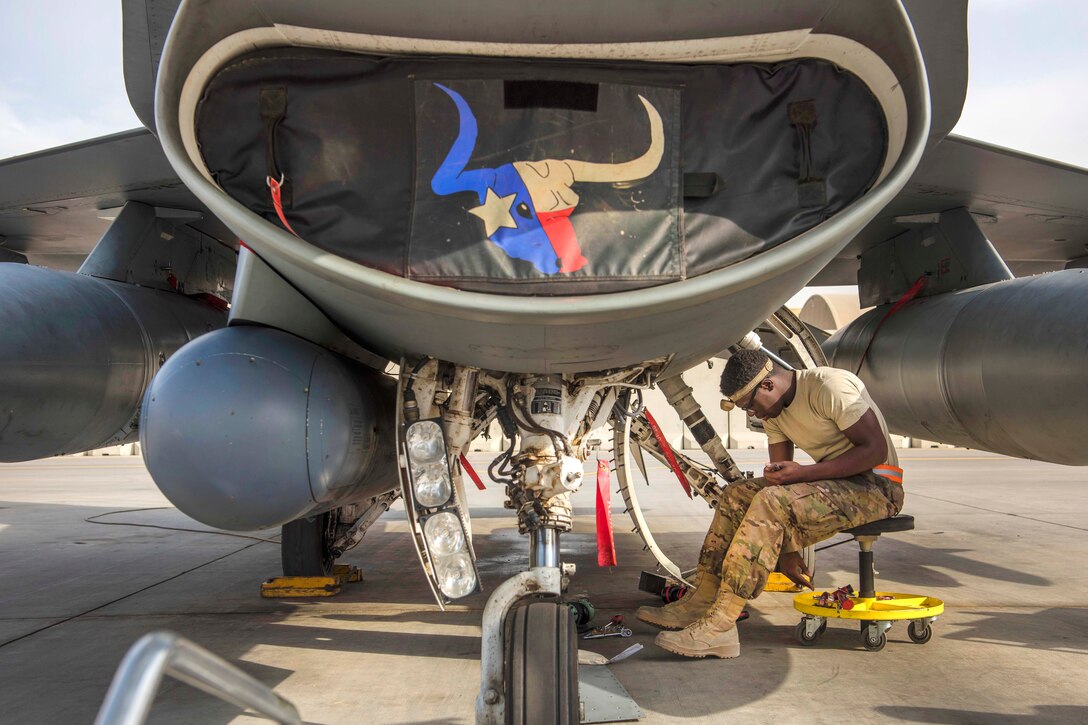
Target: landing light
(456, 575)
(431, 486)
(431, 483)
(444, 534)
(425, 441)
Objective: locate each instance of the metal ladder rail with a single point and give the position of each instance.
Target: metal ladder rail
(137, 681)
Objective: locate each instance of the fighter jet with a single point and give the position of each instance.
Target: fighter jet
(353, 236)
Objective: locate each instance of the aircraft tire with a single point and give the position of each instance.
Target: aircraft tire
(304, 546)
(541, 663)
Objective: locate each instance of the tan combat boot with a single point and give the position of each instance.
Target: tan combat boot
(714, 635)
(686, 609)
(697, 599)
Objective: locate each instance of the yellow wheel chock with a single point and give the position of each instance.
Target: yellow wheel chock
(778, 582)
(311, 586)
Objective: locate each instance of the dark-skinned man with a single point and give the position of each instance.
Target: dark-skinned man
(766, 522)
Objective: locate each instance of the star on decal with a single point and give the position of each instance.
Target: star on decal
(495, 212)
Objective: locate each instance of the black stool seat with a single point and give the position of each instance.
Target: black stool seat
(884, 526)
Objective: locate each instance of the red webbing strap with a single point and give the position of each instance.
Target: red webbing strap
(606, 543)
(471, 472)
(277, 202)
(667, 450)
(907, 297)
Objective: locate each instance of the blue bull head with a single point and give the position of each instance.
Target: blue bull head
(526, 205)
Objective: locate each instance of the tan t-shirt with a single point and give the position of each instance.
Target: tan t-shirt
(827, 402)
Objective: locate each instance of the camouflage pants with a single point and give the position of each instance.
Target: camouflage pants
(755, 522)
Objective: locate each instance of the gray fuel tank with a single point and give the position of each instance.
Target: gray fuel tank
(999, 367)
(77, 354)
(251, 427)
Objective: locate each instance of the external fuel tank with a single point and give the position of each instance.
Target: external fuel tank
(77, 354)
(999, 367)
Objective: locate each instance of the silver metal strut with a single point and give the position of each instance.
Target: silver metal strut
(544, 548)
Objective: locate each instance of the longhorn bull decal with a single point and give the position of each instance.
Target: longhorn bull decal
(526, 205)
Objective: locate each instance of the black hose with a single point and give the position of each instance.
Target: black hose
(497, 470)
(559, 441)
(415, 370)
(622, 403)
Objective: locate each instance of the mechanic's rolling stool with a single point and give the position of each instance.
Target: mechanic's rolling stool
(876, 611)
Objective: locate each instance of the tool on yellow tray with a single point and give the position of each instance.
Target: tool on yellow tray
(839, 599)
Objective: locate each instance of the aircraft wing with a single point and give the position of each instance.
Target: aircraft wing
(56, 204)
(1033, 210)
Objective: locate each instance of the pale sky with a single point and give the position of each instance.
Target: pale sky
(61, 76)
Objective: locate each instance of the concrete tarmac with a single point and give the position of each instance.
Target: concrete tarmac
(1002, 541)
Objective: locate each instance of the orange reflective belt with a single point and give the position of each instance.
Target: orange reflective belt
(892, 473)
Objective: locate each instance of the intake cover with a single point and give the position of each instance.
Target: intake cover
(540, 178)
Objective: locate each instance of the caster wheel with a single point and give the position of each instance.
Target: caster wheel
(919, 632)
(873, 644)
(804, 637)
